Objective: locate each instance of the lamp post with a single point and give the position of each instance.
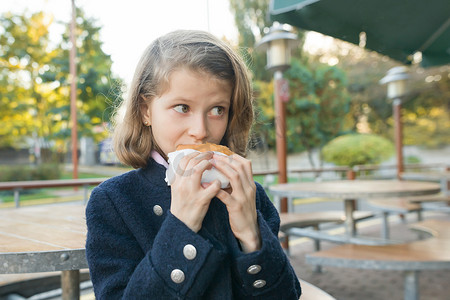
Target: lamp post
(278, 44)
(395, 80)
(73, 92)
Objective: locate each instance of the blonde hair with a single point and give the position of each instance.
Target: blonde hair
(198, 51)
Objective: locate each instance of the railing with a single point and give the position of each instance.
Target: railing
(17, 186)
(350, 173)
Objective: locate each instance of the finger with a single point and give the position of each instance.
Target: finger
(247, 164)
(188, 162)
(195, 172)
(233, 169)
(225, 197)
(237, 180)
(212, 188)
(181, 161)
(194, 164)
(239, 163)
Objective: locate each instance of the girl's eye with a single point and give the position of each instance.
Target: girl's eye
(218, 111)
(181, 108)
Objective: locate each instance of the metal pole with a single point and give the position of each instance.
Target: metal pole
(397, 106)
(280, 132)
(411, 285)
(207, 15)
(73, 93)
(280, 129)
(70, 284)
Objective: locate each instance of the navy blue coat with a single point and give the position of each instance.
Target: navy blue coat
(134, 244)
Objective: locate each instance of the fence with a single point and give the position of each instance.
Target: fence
(360, 171)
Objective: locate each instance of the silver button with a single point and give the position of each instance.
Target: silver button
(259, 283)
(158, 210)
(189, 251)
(254, 269)
(177, 276)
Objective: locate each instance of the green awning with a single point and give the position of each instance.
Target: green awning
(396, 28)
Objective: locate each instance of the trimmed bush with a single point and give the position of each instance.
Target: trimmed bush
(357, 149)
(26, 172)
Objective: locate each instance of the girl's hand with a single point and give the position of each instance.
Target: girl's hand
(240, 199)
(190, 200)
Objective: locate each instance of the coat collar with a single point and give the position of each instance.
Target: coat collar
(154, 172)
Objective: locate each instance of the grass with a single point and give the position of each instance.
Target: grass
(68, 175)
(50, 195)
(41, 196)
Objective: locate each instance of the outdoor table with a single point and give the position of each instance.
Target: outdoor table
(45, 238)
(349, 190)
(443, 177)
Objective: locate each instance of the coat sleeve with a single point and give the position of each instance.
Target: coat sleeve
(121, 270)
(267, 273)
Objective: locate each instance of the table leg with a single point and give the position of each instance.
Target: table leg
(276, 202)
(385, 234)
(290, 204)
(350, 227)
(411, 285)
(70, 284)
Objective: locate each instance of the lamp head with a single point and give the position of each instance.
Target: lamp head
(278, 44)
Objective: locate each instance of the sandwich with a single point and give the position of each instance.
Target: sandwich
(207, 147)
(208, 175)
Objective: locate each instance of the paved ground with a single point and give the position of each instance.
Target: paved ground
(348, 284)
(356, 284)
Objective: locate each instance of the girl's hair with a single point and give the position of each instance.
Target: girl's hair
(198, 51)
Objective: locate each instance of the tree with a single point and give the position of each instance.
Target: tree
(24, 57)
(98, 91)
(316, 110)
(251, 18)
(426, 106)
(318, 105)
(34, 91)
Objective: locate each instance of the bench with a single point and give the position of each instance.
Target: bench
(429, 254)
(439, 203)
(29, 284)
(314, 219)
(312, 292)
(403, 205)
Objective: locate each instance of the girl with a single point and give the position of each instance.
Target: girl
(190, 240)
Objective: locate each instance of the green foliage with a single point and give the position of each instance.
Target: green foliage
(315, 112)
(357, 149)
(26, 172)
(319, 103)
(426, 114)
(35, 85)
(318, 97)
(23, 43)
(249, 18)
(425, 108)
(412, 159)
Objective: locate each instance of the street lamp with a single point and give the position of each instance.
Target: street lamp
(395, 80)
(278, 44)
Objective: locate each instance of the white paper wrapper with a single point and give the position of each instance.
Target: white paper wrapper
(208, 175)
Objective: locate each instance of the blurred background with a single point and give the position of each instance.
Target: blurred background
(334, 87)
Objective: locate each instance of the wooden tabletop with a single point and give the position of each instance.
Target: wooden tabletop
(430, 253)
(42, 238)
(355, 189)
(430, 175)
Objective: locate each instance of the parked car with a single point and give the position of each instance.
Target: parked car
(107, 155)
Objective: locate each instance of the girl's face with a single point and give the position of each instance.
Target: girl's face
(193, 110)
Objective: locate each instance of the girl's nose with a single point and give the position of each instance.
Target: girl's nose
(198, 128)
